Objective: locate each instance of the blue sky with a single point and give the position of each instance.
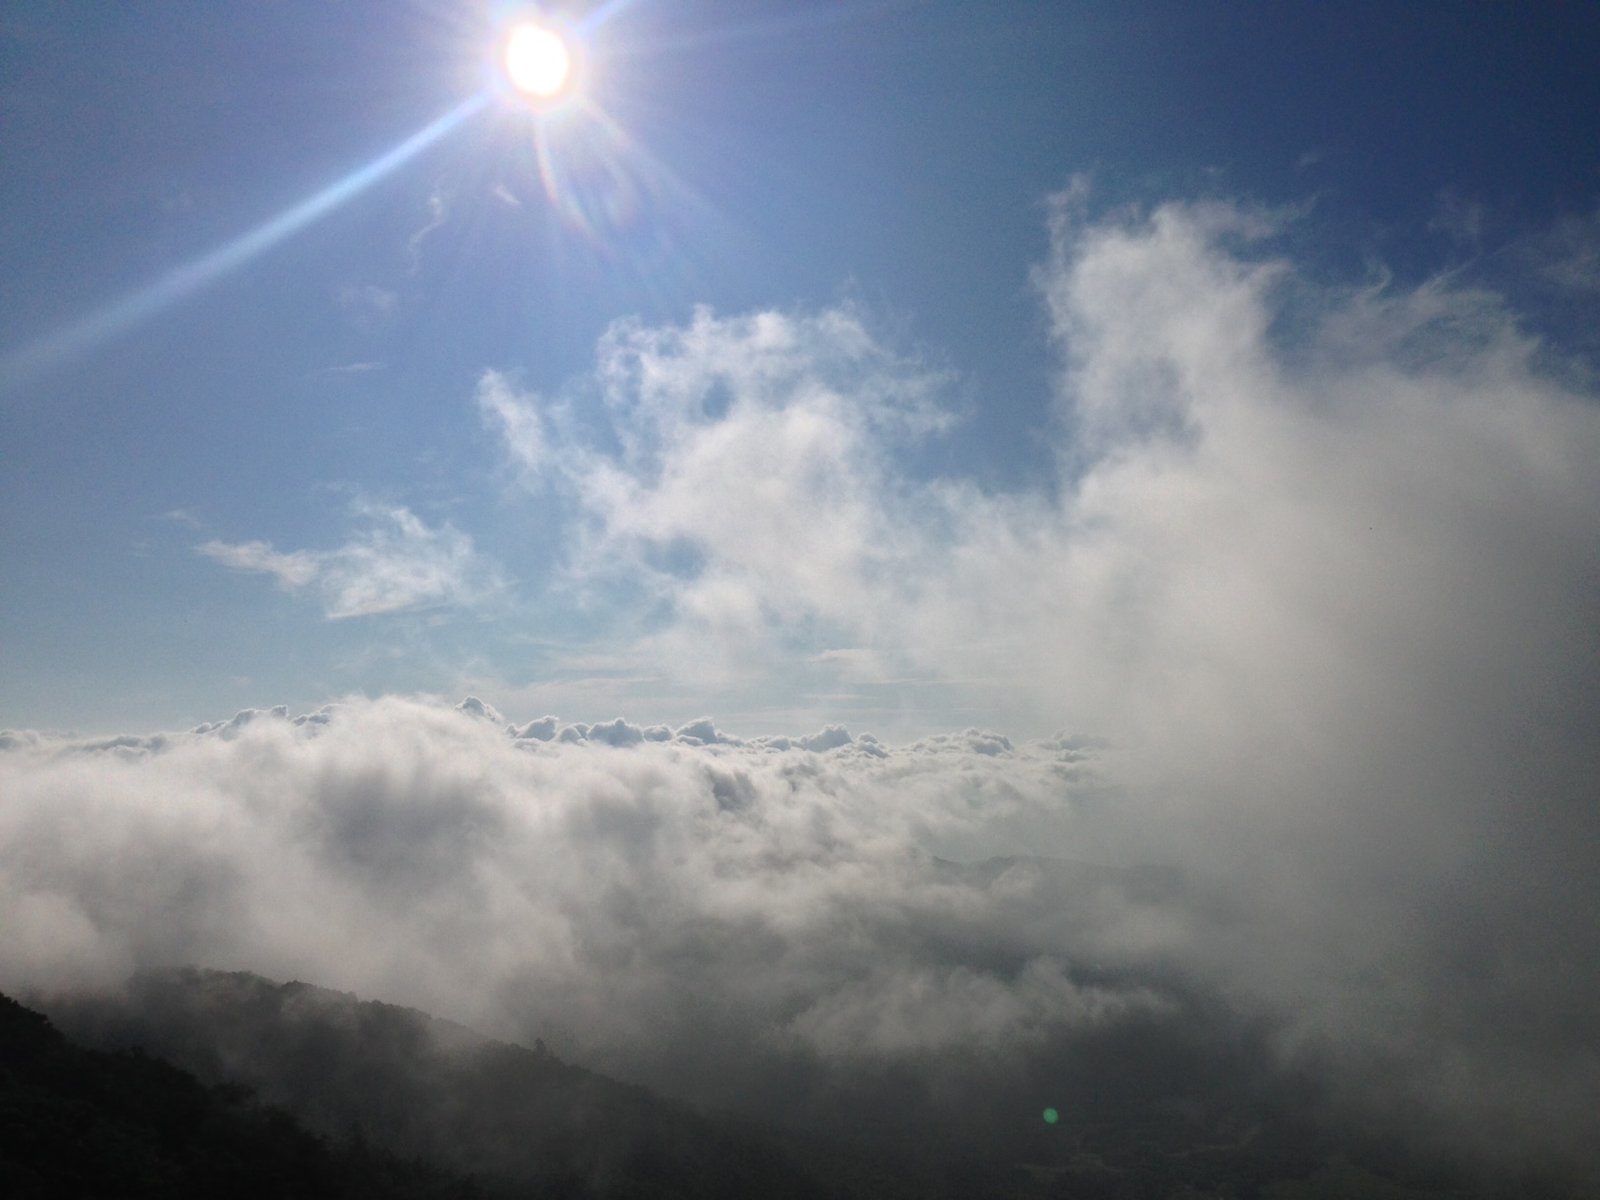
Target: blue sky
(465, 431)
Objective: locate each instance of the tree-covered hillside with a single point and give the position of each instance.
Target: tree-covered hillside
(380, 1083)
(77, 1122)
(411, 1084)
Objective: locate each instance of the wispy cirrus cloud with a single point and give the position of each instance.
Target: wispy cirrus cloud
(438, 215)
(397, 564)
(292, 571)
(516, 417)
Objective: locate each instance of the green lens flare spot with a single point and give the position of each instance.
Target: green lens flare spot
(1051, 1116)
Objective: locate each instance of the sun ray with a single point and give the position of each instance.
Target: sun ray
(120, 315)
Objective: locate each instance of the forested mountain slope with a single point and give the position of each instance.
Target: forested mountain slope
(399, 1079)
(522, 1122)
(78, 1122)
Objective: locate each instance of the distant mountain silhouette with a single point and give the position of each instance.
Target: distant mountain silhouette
(404, 1081)
(76, 1122)
(1162, 1108)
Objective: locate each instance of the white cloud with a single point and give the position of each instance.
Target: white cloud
(515, 417)
(182, 516)
(1572, 253)
(290, 570)
(750, 482)
(438, 215)
(398, 564)
(1320, 562)
(441, 857)
(1386, 491)
(730, 917)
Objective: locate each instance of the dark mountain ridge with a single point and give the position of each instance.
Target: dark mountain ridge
(406, 1082)
(77, 1122)
(366, 1074)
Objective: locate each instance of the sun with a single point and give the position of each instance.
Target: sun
(538, 62)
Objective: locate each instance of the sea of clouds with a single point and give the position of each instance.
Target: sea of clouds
(1318, 566)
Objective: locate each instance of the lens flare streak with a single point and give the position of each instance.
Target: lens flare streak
(121, 315)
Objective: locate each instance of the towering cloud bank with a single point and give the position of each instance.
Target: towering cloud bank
(1322, 563)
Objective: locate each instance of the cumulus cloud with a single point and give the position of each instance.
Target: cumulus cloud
(399, 563)
(746, 476)
(1261, 483)
(1320, 563)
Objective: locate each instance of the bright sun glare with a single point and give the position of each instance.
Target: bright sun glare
(537, 61)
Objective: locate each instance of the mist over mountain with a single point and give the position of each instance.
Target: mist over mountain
(1152, 1108)
(421, 1087)
(75, 1122)
(862, 937)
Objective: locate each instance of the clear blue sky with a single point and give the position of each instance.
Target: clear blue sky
(294, 473)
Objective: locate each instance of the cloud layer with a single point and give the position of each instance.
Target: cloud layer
(1321, 566)
(623, 891)
(763, 924)
(1322, 563)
